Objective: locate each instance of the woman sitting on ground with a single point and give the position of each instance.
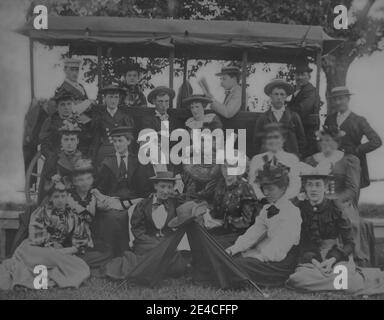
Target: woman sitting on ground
(50, 243)
(326, 242)
(346, 187)
(234, 206)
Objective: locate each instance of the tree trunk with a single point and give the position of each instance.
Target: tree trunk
(335, 66)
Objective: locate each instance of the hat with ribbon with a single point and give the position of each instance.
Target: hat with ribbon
(229, 70)
(187, 212)
(72, 62)
(82, 166)
(112, 89)
(160, 90)
(164, 176)
(69, 127)
(273, 172)
(196, 98)
(279, 83)
(340, 91)
(122, 131)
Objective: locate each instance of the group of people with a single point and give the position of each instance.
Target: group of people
(288, 220)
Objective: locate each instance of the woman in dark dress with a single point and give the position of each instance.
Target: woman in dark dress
(234, 207)
(345, 169)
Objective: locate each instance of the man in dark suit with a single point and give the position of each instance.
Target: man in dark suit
(306, 103)
(161, 97)
(354, 127)
(115, 179)
(295, 142)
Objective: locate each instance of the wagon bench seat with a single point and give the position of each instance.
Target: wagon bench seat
(9, 220)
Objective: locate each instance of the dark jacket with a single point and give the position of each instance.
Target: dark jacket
(322, 222)
(110, 183)
(295, 141)
(104, 123)
(307, 105)
(151, 121)
(355, 127)
(142, 224)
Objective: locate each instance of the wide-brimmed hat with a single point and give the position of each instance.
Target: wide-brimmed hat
(302, 67)
(164, 176)
(122, 131)
(340, 91)
(63, 95)
(278, 83)
(72, 62)
(196, 98)
(229, 70)
(112, 88)
(273, 173)
(159, 90)
(187, 212)
(272, 127)
(69, 127)
(82, 166)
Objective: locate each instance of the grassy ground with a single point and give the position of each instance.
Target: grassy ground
(180, 289)
(176, 289)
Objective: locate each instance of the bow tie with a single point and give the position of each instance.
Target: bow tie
(160, 202)
(272, 211)
(163, 117)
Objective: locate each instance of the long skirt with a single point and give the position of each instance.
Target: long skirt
(63, 270)
(111, 228)
(363, 236)
(358, 281)
(269, 274)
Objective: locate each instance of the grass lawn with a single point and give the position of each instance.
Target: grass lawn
(171, 289)
(177, 289)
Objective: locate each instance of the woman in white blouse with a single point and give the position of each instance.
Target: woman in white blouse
(274, 142)
(267, 250)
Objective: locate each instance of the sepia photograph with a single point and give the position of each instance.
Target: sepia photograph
(195, 155)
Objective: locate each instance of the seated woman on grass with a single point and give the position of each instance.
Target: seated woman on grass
(326, 242)
(234, 205)
(267, 251)
(50, 243)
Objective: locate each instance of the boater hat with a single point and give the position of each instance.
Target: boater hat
(69, 127)
(122, 131)
(82, 166)
(159, 90)
(63, 95)
(112, 88)
(196, 98)
(163, 176)
(340, 91)
(72, 62)
(187, 212)
(278, 83)
(229, 70)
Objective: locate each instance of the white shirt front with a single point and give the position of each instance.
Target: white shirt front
(290, 160)
(159, 215)
(125, 159)
(341, 117)
(282, 232)
(278, 113)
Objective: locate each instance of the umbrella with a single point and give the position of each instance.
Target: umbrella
(223, 266)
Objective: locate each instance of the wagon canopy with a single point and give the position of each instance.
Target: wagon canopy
(214, 39)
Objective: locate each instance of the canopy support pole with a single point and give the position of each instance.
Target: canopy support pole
(99, 69)
(185, 70)
(171, 70)
(171, 66)
(244, 81)
(318, 70)
(32, 68)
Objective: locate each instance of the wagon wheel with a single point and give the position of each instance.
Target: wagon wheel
(33, 177)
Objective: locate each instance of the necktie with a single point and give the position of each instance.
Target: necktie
(272, 211)
(122, 167)
(227, 92)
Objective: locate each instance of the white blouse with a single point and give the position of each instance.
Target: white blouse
(282, 231)
(290, 160)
